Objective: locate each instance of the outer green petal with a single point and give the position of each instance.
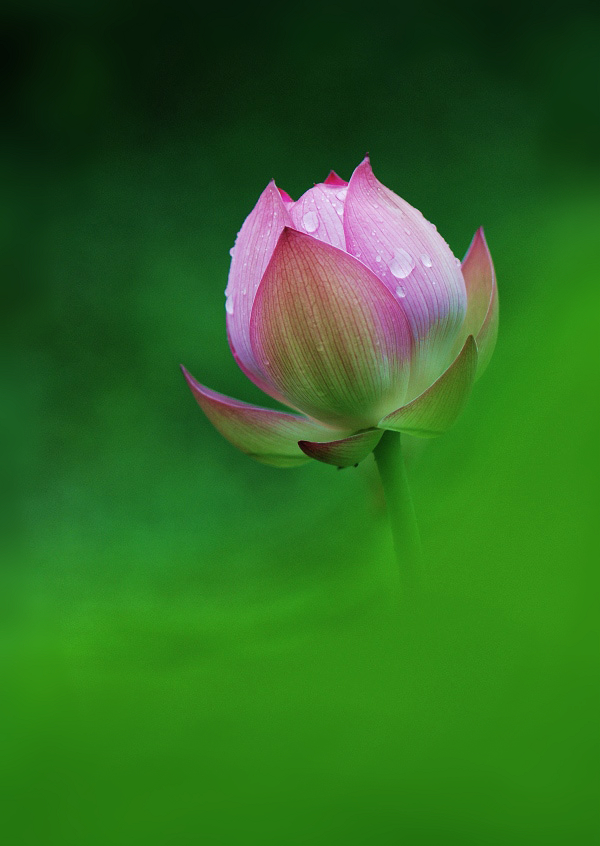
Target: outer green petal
(345, 452)
(269, 436)
(437, 408)
(328, 335)
(481, 319)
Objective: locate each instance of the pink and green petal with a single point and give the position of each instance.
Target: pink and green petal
(410, 257)
(268, 436)
(252, 252)
(481, 319)
(334, 179)
(345, 452)
(259, 381)
(328, 335)
(437, 408)
(319, 213)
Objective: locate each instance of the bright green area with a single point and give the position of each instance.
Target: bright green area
(198, 649)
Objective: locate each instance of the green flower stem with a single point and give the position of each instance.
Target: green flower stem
(400, 508)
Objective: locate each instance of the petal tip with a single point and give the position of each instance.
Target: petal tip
(187, 376)
(284, 195)
(334, 179)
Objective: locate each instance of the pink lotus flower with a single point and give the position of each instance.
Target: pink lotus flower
(350, 308)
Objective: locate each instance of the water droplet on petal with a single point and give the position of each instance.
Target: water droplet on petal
(310, 221)
(377, 258)
(229, 305)
(400, 291)
(402, 264)
(341, 195)
(232, 251)
(426, 260)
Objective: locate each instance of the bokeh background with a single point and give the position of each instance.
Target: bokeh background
(195, 648)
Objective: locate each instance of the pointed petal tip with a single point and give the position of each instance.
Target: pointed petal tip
(187, 375)
(284, 195)
(477, 241)
(335, 179)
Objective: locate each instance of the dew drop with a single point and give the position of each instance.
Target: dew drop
(232, 251)
(400, 291)
(229, 305)
(426, 260)
(377, 258)
(401, 265)
(310, 221)
(341, 195)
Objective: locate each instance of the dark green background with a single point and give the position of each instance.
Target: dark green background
(197, 649)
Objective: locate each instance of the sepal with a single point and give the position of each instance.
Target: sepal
(345, 452)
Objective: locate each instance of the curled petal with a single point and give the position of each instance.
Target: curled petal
(481, 319)
(328, 335)
(252, 251)
(319, 213)
(270, 437)
(345, 452)
(437, 408)
(406, 252)
(334, 179)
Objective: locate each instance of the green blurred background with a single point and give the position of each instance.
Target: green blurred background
(195, 648)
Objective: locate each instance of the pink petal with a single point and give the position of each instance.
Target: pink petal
(328, 335)
(334, 179)
(287, 200)
(253, 249)
(345, 452)
(437, 408)
(405, 251)
(270, 437)
(481, 319)
(319, 213)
